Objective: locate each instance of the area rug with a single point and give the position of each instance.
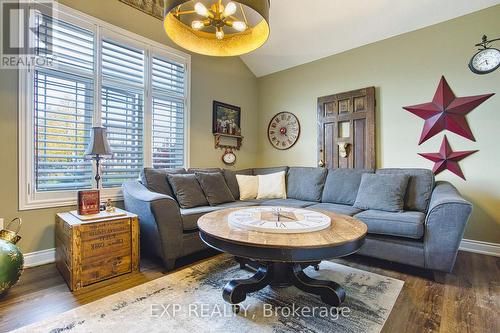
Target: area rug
(190, 300)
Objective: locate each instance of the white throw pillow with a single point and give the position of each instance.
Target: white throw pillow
(249, 186)
(272, 186)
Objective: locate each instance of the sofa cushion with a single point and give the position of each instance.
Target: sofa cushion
(187, 190)
(382, 192)
(288, 203)
(232, 182)
(272, 186)
(156, 180)
(305, 183)
(408, 224)
(337, 208)
(341, 185)
(190, 216)
(215, 188)
(266, 171)
(248, 186)
(420, 187)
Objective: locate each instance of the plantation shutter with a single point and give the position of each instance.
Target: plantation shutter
(168, 87)
(122, 111)
(63, 107)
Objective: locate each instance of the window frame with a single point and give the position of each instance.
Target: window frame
(29, 198)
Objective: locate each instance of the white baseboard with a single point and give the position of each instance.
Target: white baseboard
(39, 258)
(49, 256)
(470, 245)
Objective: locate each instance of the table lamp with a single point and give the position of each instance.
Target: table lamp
(98, 149)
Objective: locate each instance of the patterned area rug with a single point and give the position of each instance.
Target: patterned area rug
(190, 300)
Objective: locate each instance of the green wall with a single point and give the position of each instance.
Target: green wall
(224, 79)
(405, 70)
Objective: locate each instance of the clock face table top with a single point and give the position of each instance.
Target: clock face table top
(342, 230)
(281, 257)
(285, 220)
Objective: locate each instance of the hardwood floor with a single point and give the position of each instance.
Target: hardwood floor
(468, 301)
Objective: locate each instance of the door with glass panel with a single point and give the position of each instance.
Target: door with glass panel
(346, 130)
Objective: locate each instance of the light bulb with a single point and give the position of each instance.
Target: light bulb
(197, 25)
(200, 9)
(230, 9)
(219, 34)
(239, 25)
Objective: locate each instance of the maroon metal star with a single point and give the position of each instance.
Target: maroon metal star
(446, 112)
(447, 159)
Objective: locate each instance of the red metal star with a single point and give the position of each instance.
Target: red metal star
(447, 159)
(446, 112)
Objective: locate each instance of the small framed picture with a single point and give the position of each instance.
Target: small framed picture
(226, 119)
(89, 202)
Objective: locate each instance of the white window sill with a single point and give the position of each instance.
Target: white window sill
(69, 199)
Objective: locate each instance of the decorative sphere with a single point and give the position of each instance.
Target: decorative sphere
(11, 265)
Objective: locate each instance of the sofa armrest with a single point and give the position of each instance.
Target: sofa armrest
(160, 220)
(444, 226)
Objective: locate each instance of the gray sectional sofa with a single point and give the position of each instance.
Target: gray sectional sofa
(426, 234)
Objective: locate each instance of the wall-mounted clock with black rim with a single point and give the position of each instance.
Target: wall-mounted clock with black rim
(283, 130)
(487, 60)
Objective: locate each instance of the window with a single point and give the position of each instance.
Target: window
(102, 76)
(122, 111)
(168, 114)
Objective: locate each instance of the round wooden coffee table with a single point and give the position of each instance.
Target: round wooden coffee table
(282, 257)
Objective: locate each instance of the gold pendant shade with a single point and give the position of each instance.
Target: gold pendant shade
(217, 27)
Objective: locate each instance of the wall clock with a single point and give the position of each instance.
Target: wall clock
(278, 220)
(487, 59)
(283, 130)
(229, 158)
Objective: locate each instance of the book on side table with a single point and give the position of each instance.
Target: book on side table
(90, 251)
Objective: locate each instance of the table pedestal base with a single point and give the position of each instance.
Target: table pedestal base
(282, 275)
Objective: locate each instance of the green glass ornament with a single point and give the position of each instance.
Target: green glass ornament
(11, 258)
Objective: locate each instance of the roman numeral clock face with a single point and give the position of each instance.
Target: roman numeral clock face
(278, 220)
(283, 130)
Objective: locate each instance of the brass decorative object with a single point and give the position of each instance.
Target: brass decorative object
(343, 149)
(223, 28)
(11, 258)
(109, 206)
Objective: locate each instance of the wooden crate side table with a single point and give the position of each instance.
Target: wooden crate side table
(92, 251)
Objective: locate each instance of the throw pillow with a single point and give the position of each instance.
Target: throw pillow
(215, 188)
(248, 186)
(187, 190)
(382, 192)
(272, 186)
(156, 180)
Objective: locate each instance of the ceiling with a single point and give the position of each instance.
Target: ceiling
(304, 31)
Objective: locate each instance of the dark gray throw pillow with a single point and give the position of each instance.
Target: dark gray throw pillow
(382, 192)
(187, 190)
(215, 188)
(156, 180)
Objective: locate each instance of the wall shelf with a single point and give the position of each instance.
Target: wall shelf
(238, 141)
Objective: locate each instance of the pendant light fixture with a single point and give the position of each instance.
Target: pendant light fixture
(217, 27)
